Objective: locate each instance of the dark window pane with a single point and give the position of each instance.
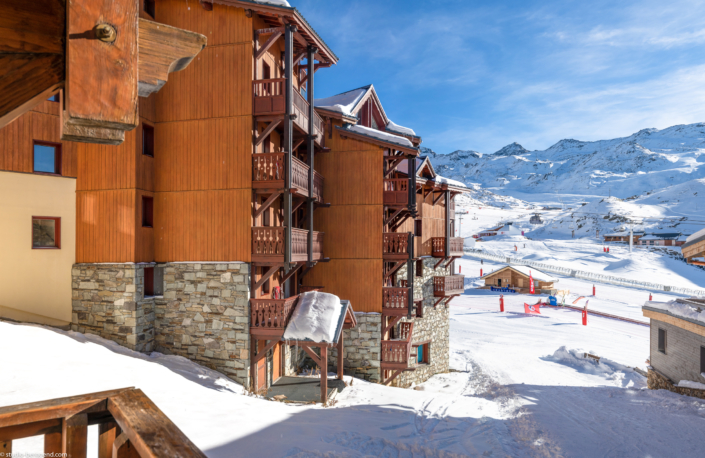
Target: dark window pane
(149, 281)
(147, 212)
(702, 359)
(44, 233)
(662, 340)
(149, 7)
(147, 140)
(45, 159)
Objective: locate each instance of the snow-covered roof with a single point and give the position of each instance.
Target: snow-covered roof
(664, 236)
(622, 234)
(396, 128)
(317, 318)
(344, 103)
(448, 181)
(692, 309)
(274, 2)
(695, 238)
(384, 136)
(537, 275)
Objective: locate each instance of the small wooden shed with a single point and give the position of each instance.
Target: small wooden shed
(517, 278)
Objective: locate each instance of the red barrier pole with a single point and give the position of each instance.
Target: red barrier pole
(593, 290)
(501, 302)
(585, 315)
(481, 272)
(460, 269)
(650, 297)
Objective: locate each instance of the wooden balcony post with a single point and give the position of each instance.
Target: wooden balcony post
(412, 185)
(324, 373)
(288, 139)
(311, 51)
(75, 435)
(447, 215)
(107, 432)
(341, 349)
(410, 274)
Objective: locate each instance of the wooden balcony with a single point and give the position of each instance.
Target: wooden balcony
(396, 246)
(269, 99)
(268, 244)
(451, 285)
(396, 191)
(269, 317)
(268, 173)
(396, 352)
(395, 301)
(438, 246)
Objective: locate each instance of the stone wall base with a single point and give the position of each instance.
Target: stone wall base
(656, 381)
(363, 346)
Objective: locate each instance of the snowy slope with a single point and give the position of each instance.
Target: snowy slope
(647, 160)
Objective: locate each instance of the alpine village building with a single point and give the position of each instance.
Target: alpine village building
(236, 193)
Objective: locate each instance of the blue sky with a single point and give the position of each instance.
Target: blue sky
(482, 74)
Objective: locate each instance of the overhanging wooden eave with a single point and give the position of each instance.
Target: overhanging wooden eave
(376, 141)
(325, 113)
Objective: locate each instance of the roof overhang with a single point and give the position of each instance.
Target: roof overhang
(281, 15)
(376, 141)
(326, 113)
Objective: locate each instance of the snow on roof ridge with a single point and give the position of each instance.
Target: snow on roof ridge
(686, 308)
(385, 136)
(441, 179)
(394, 127)
(344, 103)
(697, 235)
(535, 273)
(275, 2)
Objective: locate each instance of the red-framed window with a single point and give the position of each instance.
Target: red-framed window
(147, 211)
(46, 233)
(147, 140)
(46, 158)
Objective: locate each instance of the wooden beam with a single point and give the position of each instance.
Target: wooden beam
(395, 374)
(396, 267)
(264, 351)
(268, 44)
(341, 354)
(292, 272)
(37, 428)
(390, 325)
(6, 448)
(402, 220)
(74, 432)
(53, 444)
(452, 258)
(298, 144)
(437, 301)
(107, 433)
(266, 276)
(259, 138)
(394, 215)
(451, 298)
(266, 204)
(393, 166)
(269, 30)
(439, 262)
(313, 355)
(436, 199)
(324, 374)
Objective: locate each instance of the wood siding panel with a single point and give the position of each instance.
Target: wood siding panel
(144, 236)
(148, 107)
(202, 155)
(223, 25)
(102, 167)
(48, 107)
(218, 83)
(351, 231)
(356, 280)
(203, 226)
(352, 177)
(105, 225)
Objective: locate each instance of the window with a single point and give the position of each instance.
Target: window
(422, 353)
(499, 282)
(147, 211)
(150, 7)
(419, 268)
(47, 158)
(147, 140)
(46, 232)
(702, 359)
(662, 340)
(418, 227)
(148, 281)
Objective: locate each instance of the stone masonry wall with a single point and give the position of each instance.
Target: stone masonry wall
(682, 358)
(108, 300)
(656, 381)
(204, 316)
(433, 327)
(363, 346)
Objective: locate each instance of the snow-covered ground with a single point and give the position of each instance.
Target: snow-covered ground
(520, 387)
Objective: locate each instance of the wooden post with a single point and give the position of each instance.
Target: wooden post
(447, 221)
(311, 51)
(324, 373)
(288, 139)
(6, 448)
(341, 348)
(53, 444)
(74, 431)
(107, 432)
(253, 365)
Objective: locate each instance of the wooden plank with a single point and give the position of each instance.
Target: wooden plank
(122, 448)
(10, 433)
(53, 443)
(107, 432)
(74, 432)
(324, 374)
(149, 430)
(312, 354)
(6, 448)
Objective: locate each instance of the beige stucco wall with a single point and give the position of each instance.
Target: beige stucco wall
(35, 285)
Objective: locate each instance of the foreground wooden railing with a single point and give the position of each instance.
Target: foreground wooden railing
(396, 353)
(130, 425)
(396, 191)
(269, 98)
(396, 245)
(268, 243)
(438, 246)
(395, 301)
(271, 316)
(448, 286)
(268, 172)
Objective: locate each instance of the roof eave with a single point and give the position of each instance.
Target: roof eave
(378, 141)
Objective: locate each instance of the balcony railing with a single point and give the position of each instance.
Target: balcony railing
(271, 316)
(396, 191)
(269, 98)
(438, 246)
(396, 353)
(451, 285)
(268, 244)
(396, 245)
(268, 172)
(395, 301)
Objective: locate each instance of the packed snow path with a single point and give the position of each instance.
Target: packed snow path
(520, 389)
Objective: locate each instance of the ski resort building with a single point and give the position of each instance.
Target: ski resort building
(199, 233)
(677, 356)
(663, 239)
(517, 278)
(694, 248)
(624, 236)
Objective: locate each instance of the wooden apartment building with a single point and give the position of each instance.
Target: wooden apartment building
(196, 235)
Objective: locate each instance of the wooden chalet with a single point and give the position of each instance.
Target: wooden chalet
(624, 236)
(694, 249)
(517, 278)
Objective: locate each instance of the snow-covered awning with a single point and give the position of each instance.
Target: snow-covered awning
(537, 275)
(695, 238)
(319, 318)
(344, 103)
(692, 309)
(381, 138)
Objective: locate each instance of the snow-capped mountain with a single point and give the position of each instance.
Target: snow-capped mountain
(647, 160)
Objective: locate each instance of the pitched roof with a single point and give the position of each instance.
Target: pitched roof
(526, 271)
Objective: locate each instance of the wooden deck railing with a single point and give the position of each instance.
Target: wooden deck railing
(396, 353)
(395, 301)
(448, 286)
(271, 316)
(396, 191)
(268, 242)
(269, 98)
(268, 172)
(130, 425)
(438, 246)
(396, 245)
